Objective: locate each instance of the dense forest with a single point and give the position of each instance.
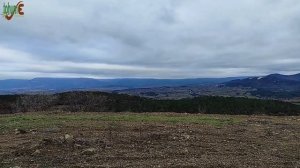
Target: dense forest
(108, 102)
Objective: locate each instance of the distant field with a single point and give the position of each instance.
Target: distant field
(148, 140)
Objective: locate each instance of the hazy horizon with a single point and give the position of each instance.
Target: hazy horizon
(116, 78)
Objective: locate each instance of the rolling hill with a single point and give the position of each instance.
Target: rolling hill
(272, 86)
(271, 82)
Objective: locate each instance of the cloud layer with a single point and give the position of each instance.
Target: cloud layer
(156, 39)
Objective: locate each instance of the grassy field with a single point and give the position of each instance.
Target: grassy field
(42, 120)
(148, 140)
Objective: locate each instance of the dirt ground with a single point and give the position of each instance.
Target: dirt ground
(253, 141)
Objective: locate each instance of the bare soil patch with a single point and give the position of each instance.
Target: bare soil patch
(148, 140)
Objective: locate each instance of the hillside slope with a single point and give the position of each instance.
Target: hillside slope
(106, 102)
(271, 86)
(271, 82)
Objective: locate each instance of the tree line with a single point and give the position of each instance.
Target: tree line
(111, 102)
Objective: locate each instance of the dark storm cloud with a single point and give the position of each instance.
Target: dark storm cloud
(157, 38)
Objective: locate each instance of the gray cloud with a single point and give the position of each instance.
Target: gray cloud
(157, 38)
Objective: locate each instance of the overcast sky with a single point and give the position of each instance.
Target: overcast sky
(151, 38)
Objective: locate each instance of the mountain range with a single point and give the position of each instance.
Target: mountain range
(274, 86)
(271, 82)
(70, 84)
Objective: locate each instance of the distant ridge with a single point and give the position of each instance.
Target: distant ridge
(13, 86)
(272, 86)
(270, 82)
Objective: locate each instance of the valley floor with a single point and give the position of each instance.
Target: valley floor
(148, 140)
